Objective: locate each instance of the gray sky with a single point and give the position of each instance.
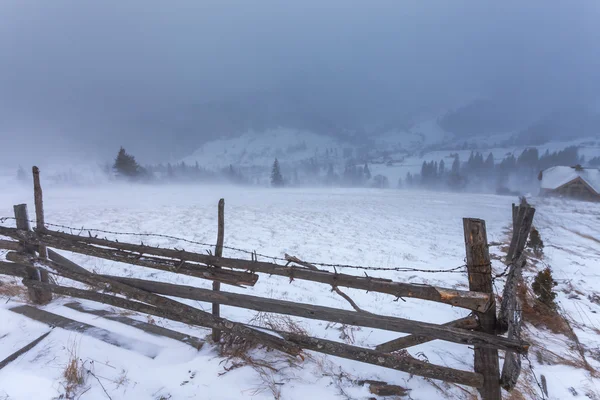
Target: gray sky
(90, 76)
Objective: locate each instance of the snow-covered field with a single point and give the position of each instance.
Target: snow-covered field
(387, 228)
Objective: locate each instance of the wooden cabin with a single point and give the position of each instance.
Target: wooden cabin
(574, 182)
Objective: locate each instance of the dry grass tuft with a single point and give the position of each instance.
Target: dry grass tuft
(11, 289)
(272, 368)
(74, 374)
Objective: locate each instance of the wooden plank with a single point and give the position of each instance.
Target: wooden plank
(39, 208)
(216, 334)
(471, 300)
(406, 364)
(54, 320)
(65, 262)
(469, 322)
(306, 310)
(10, 245)
(310, 311)
(172, 307)
(22, 351)
(480, 278)
(368, 356)
(152, 329)
(15, 269)
(237, 278)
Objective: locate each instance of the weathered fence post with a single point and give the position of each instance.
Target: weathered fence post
(22, 220)
(37, 296)
(509, 317)
(39, 208)
(480, 279)
(216, 334)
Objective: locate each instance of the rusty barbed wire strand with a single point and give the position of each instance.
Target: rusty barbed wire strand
(78, 231)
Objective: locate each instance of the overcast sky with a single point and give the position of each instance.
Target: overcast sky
(91, 75)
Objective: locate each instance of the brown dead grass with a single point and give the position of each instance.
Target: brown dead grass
(273, 368)
(74, 373)
(542, 316)
(11, 289)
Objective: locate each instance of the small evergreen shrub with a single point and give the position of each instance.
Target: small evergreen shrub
(535, 242)
(543, 285)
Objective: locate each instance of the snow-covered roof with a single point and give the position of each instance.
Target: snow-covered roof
(555, 177)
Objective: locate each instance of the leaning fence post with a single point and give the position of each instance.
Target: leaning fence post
(216, 334)
(39, 208)
(37, 296)
(480, 279)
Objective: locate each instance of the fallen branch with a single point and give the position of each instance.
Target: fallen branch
(298, 261)
(347, 298)
(334, 288)
(22, 351)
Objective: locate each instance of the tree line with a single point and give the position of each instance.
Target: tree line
(479, 172)
(485, 173)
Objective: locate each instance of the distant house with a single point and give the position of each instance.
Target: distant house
(575, 182)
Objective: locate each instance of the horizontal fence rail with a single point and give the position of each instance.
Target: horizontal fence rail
(136, 254)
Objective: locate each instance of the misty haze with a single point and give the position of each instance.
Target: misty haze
(290, 200)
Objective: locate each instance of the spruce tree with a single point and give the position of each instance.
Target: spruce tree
(489, 162)
(409, 179)
(276, 177)
(125, 165)
(367, 172)
(442, 169)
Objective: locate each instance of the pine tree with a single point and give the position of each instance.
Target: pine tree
(409, 179)
(367, 172)
(455, 166)
(535, 242)
(276, 177)
(442, 169)
(455, 179)
(543, 285)
(125, 165)
(489, 162)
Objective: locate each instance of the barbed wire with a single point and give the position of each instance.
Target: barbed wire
(458, 269)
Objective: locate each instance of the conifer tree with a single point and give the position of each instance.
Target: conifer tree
(125, 165)
(367, 172)
(276, 177)
(442, 169)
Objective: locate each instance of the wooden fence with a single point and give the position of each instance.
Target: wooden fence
(32, 258)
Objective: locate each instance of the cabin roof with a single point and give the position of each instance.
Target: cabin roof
(555, 177)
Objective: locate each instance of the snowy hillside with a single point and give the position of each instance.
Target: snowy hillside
(253, 149)
(390, 153)
(367, 227)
